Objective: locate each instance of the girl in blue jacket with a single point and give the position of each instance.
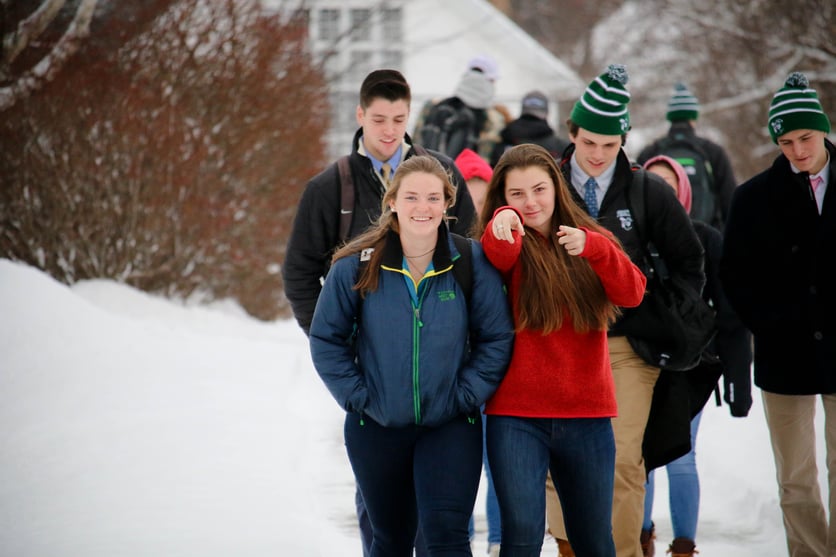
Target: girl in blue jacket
(411, 357)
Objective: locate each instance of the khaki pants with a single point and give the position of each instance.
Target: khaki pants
(792, 433)
(634, 382)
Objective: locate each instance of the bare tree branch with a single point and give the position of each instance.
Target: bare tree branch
(28, 30)
(50, 64)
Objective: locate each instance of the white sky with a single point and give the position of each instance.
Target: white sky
(136, 426)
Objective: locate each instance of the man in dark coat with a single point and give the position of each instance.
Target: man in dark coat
(778, 273)
(530, 127)
(382, 115)
(683, 111)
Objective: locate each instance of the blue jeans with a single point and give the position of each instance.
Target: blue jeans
(684, 491)
(411, 472)
(580, 453)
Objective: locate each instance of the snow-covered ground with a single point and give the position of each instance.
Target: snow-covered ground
(135, 426)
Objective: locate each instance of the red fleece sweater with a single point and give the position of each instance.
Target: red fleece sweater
(564, 374)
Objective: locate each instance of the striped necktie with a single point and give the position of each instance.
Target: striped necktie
(590, 198)
(386, 174)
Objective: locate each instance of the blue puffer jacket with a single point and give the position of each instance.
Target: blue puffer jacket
(410, 365)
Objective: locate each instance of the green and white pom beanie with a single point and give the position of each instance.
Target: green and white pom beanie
(796, 107)
(683, 105)
(603, 106)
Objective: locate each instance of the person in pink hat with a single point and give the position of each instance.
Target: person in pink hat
(672, 429)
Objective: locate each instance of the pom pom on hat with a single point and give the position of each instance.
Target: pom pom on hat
(603, 106)
(796, 107)
(683, 105)
(475, 90)
(472, 165)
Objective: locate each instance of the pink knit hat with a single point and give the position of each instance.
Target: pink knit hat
(472, 165)
(683, 190)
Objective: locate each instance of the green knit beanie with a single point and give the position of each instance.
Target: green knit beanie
(796, 107)
(683, 105)
(603, 106)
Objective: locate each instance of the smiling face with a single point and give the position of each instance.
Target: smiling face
(384, 126)
(595, 152)
(805, 149)
(419, 205)
(530, 190)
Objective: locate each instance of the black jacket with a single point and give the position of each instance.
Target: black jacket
(315, 234)
(778, 272)
(668, 432)
(529, 129)
(668, 227)
(721, 168)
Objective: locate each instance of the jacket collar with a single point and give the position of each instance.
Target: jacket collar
(445, 250)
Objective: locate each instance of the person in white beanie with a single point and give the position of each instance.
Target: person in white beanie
(455, 123)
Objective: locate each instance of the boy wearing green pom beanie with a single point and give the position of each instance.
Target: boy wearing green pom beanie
(778, 273)
(706, 162)
(601, 177)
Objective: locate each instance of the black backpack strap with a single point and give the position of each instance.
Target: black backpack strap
(346, 197)
(637, 204)
(463, 266)
(636, 200)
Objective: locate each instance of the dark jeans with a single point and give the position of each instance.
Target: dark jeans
(580, 453)
(411, 472)
(366, 528)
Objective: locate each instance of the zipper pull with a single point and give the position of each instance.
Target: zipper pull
(418, 316)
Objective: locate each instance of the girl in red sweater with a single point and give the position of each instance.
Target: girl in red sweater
(566, 278)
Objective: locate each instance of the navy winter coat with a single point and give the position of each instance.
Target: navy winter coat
(779, 275)
(412, 365)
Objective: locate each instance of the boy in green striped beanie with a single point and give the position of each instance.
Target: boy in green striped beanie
(796, 107)
(603, 106)
(778, 275)
(601, 178)
(683, 105)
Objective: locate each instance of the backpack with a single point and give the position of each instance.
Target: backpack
(682, 324)
(449, 128)
(693, 159)
(462, 267)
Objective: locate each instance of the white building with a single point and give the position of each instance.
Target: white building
(430, 41)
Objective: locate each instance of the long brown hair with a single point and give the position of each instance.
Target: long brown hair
(375, 237)
(554, 284)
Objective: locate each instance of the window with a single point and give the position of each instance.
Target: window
(329, 25)
(391, 59)
(361, 29)
(392, 23)
(360, 65)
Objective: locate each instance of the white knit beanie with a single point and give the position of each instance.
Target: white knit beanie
(475, 90)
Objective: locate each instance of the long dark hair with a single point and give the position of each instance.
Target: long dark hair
(375, 237)
(554, 284)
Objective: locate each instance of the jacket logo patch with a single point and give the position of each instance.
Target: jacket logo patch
(625, 218)
(447, 295)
